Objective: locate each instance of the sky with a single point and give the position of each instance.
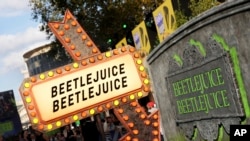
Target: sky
(19, 33)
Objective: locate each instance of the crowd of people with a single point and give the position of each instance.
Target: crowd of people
(88, 130)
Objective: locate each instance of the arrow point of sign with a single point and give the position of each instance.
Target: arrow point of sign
(73, 37)
(139, 125)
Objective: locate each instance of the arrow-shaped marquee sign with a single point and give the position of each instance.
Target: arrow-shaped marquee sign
(95, 82)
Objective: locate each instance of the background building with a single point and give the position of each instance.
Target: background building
(42, 59)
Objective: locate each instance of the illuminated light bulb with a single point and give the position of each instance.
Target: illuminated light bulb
(50, 73)
(136, 132)
(75, 117)
(116, 102)
(144, 74)
(26, 85)
(84, 37)
(56, 26)
(100, 108)
(66, 26)
(94, 50)
(141, 68)
(135, 139)
(155, 124)
(128, 138)
(58, 71)
(25, 93)
(146, 81)
(67, 68)
(42, 76)
(131, 49)
(67, 40)
(125, 117)
(61, 33)
(33, 79)
(155, 139)
(138, 110)
(139, 61)
(28, 99)
(30, 107)
(35, 120)
(75, 65)
(92, 60)
(108, 54)
(155, 116)
(155, 132)
(147, 122)
(146, 89)
(89, 43)
(99, 57)
(120, 110)
(33, 114)
(108, 105)
(115, 52)
(84, 63)
(79, 30)
(49, 126)
(131, 124)
(78, 54)
(84, 114)
(72, 47)
(136, 55)
(140, 94)
(142, 116)
(58, 123)
(40, 126)
(123, 49)
(124, 99)
(66, 120)
(68, 17)
(132, 97)
(73, 23)
(92, 111)
(133, 104)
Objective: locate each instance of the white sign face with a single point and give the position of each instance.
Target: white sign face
(86, 87)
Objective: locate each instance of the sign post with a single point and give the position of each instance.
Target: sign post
(95, 82)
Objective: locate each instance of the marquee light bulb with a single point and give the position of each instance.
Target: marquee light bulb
(140, 94)
(92, 111)
(141, 68)
(28, 99)
(139, 61)
(146, 81)
(42, 76)
(108, 54)
(75, 117)
(132, 97)
(50, 126)
(35, 120)
(27, 85)
(116, 102)
(58, 123)
(75, 65)
(51, 73)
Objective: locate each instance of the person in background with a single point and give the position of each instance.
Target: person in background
(68, 133)
(60, 137)
(89, 130)
(109, 129)
(40, 136)
(24, 136)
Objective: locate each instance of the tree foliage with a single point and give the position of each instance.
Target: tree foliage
(195, 7)
(102, 19)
